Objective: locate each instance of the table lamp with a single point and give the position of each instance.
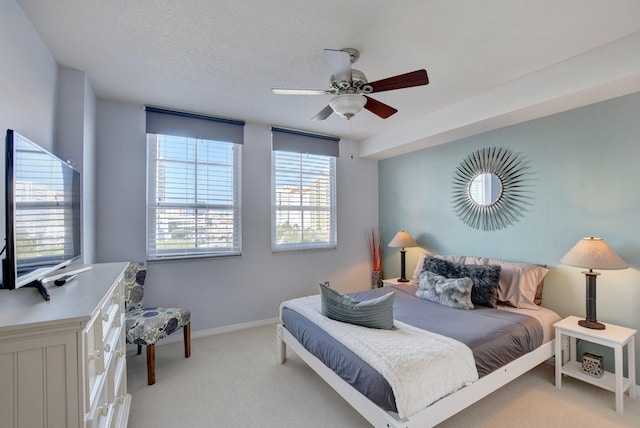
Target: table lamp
(592, 253)
(403, 239)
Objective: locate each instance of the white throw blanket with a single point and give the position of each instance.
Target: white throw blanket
(420, 366)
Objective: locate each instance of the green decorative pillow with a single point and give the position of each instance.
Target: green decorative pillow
(373, 313)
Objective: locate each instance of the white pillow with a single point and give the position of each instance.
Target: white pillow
(518, 281)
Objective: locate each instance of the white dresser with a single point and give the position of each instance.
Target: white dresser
(63, 361)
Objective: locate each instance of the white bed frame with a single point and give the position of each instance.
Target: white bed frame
(436, 412)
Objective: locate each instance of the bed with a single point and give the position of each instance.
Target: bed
(506, 342)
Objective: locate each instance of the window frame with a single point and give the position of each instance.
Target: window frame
(192, 129)
(298, 145)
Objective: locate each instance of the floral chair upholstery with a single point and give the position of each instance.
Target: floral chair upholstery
(145, 326)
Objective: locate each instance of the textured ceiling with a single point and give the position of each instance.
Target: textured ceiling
(222, 57)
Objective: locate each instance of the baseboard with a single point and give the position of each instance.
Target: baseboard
(231, 328)
(196, 334)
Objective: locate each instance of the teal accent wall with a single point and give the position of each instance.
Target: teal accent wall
(585, 166)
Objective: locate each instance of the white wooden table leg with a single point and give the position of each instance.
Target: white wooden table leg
(282, 347)
(619, 377)
(631, 358)
(558, 359)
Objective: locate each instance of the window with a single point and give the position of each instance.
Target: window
(193, 182)
(303, 191)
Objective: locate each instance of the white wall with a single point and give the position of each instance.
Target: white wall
(228, 290)
(89, 179)
(28, 83)
(75, 142)
(28, 76)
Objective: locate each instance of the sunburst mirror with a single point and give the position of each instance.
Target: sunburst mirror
(491, 188)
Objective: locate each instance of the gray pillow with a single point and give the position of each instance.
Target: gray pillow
(373, 313)
(485, 278)
(452, 292)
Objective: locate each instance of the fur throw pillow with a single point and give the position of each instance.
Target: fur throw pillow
(452, 292)
(485, 278)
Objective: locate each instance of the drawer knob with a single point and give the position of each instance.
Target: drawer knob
(104, 409)
(105, 317)
(107, 347)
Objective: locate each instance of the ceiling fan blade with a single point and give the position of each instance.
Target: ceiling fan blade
(407, 80)
(324, 113)
(381, 109)
(278, 91)
(340, 64)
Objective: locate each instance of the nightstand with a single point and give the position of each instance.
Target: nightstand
(392, 281)
(613, 336)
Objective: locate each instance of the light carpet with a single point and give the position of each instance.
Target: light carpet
(233, 380)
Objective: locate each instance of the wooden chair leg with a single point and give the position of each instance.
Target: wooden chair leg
(187, 340)
(151, 364)
(139, 349)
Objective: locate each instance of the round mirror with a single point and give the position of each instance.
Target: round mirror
(491, 188)
(485, 188)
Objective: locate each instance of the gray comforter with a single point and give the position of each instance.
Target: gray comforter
(495, 337)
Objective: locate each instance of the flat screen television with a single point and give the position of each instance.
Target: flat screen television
(42, 213)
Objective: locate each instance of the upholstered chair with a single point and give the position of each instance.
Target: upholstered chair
(145, 326)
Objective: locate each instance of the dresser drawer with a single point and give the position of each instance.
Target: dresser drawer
(112, 308)
(102, 410)
(104, 349)
(93, 359)
(121, 398)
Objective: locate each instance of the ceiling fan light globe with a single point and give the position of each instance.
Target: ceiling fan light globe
(348, 105)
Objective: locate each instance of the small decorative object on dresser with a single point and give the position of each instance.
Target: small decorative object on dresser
(593, 364)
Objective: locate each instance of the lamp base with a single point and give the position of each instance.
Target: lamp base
(403, 280)
(595, 325)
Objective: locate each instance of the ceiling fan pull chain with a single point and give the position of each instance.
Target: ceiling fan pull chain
(351, 140)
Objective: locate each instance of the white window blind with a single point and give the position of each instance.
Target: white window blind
(193, 197)
(303, 192)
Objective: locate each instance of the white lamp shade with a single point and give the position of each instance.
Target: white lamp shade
(347, 105)
(593, 253)
(403, 239)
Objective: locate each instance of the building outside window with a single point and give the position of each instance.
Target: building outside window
(194, 186)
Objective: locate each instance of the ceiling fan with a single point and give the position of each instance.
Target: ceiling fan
(350, 86)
